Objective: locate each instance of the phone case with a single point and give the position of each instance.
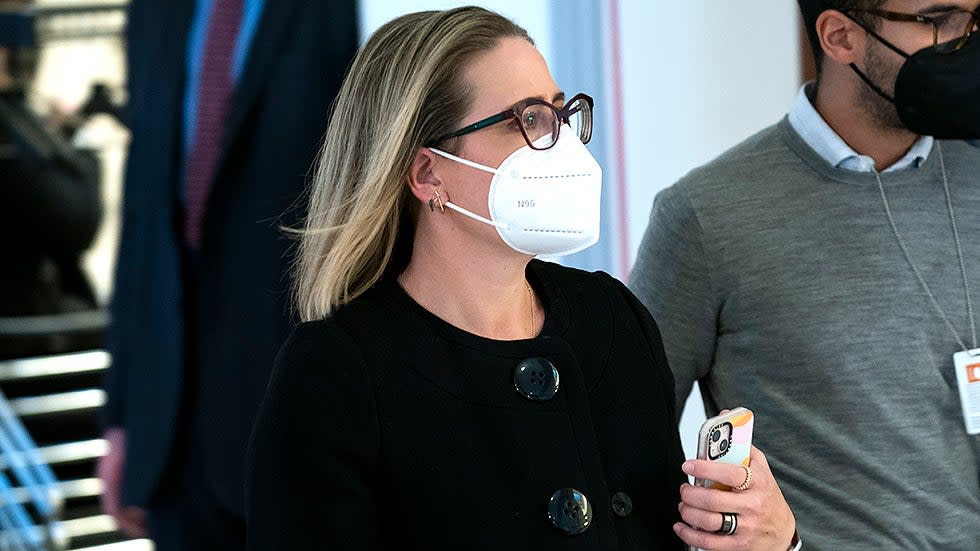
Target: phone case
(736, 427)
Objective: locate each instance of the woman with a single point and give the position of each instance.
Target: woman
(445, 388)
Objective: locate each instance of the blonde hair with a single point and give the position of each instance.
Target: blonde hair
(405, 88)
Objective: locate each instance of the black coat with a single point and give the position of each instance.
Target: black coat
(50, 209)
(387, 428)
(226, 313)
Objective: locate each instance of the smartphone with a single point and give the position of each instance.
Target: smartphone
(726, 438)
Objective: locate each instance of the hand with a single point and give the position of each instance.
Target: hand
(131, 520)
(61, 114)
(765, 521)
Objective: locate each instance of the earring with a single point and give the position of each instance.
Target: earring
(437, 200)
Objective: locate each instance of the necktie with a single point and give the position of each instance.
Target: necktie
(214, 96)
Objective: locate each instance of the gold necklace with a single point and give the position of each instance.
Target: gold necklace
(530, 296)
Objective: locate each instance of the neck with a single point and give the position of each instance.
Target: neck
(858, 128)
(476, 288)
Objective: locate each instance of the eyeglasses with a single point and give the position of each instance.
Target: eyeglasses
(539, 121)
(950, 30)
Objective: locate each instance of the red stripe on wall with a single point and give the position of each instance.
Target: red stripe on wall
(619, 140)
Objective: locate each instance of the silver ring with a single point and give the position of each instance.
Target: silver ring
(729, 523)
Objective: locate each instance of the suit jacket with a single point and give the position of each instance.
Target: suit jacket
(387, 428)
(226, 313)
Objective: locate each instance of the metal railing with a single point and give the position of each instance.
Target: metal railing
(52, 380)
(80, 19)
(34, 525)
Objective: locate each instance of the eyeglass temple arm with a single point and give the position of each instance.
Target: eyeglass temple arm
(880, 38)
(489, 121)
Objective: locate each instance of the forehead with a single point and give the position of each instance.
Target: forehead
(510, 72)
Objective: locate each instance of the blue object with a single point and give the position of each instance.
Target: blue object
(16, 30)
(195, 54)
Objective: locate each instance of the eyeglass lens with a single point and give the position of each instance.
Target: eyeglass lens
(953, 29)
(541, 125)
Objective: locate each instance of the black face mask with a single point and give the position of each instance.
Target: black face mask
(936, 94)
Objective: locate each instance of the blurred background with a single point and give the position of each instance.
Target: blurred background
(675, 84)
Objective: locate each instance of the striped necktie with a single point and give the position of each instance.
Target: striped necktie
(214, 97)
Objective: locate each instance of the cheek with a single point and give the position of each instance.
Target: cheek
(883, 65)
(468, 188)
(474, 195)
(492, 151)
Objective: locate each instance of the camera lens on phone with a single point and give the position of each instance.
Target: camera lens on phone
(723, 446)
(715, 435)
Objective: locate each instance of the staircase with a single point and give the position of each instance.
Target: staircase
(56, 397)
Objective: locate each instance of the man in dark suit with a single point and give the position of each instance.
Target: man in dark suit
(228, 102)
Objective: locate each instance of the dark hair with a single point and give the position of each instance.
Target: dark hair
(811, 10)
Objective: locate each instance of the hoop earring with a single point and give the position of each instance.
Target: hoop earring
(437, 200)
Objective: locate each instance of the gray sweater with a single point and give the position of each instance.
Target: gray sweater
(778, 284)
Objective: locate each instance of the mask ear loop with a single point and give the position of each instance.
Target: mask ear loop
(888, 45)
(437, 200)
(871, 84)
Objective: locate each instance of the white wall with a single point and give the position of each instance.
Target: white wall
(709, 73)
(530, 14)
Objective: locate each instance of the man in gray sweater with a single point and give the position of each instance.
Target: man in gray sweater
(823, 273)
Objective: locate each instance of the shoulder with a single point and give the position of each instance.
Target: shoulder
(961, 152)
(610, 327)
(748, 178)
(317, 356)
(589, 295)
(574, 279)
(319, 376)
(351, 333)
(745, 164)
(311, 338)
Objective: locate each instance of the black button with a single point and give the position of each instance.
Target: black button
(622, 505)
(536, 379)
(570, 511)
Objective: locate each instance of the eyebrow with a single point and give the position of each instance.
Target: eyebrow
(939, 8)
(560, 96)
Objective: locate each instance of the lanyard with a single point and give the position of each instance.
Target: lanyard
(959, 256)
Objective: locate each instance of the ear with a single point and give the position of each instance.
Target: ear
(841, 39)
(422, 181)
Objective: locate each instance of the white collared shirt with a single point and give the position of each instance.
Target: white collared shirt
(815, 131)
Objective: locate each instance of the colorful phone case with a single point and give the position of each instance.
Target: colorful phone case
(739, 422)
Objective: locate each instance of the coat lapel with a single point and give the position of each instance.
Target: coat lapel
(266, 46)
(167, 65)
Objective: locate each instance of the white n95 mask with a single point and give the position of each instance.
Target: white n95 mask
(543, 202)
